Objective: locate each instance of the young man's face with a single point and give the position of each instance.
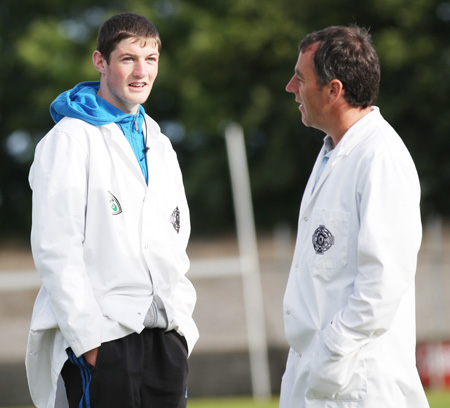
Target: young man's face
(308, 93)
(127, 80)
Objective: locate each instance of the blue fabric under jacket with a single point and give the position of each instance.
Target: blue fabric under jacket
(82, 102)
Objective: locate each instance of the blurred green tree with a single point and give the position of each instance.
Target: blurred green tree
(226, 61)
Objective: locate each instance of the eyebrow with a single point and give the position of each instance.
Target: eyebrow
(298, 73)
(130, 54)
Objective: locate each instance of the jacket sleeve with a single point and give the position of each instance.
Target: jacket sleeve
(387, 245)
(58, 178)
(184, 295)
(185, 298)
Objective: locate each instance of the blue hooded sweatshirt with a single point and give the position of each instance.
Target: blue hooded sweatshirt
(82, 102)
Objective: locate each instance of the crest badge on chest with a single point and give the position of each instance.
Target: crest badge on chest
(116, 208)
(322, 240)
(175, 219)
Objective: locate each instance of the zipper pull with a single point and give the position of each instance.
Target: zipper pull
(135, 123)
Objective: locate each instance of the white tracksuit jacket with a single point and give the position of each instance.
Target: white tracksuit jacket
(103, 243)
(349, 306)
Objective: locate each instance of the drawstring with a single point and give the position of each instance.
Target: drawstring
(86, 377)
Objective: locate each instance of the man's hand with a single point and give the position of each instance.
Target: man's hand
(91, 356)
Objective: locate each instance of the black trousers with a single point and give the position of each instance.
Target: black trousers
(146, 370)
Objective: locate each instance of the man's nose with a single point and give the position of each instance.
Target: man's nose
(289, 87)
(139, 68)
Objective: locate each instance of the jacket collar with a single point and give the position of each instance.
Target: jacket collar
(153, 134)
(352, 138)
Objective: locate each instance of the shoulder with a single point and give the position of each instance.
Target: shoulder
(68, 135)
(76, 130)
(74, 126)
(381, 142)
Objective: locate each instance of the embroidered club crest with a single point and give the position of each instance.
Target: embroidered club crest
(175, 219)
(114, 203)
(322, 240)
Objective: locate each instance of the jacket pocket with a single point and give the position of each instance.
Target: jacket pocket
(337, 377)
(329, 230)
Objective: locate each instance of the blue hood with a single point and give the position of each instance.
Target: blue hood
(82, 102)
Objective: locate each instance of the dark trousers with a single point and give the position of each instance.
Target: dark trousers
(146, 370)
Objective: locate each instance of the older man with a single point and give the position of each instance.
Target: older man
(349, 307)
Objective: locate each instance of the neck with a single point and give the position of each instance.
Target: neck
(344, 120)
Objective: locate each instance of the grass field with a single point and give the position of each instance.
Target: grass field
(231, 402)
(437, 399)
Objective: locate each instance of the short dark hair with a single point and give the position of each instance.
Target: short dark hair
(122, 26)
(346, 54)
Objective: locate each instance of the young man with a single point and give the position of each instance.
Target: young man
(349, 307)
(112, 325)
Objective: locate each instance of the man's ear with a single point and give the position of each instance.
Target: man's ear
(99, 61)
(335, 90)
